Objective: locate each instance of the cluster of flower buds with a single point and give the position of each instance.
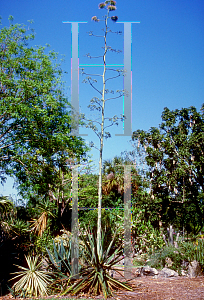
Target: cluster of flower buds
(101, 5)
(114, 18)
(94, 18)
(110, 5)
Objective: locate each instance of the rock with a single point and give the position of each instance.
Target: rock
(136, 272)
(168, 262)
(183, 273)
(185, 264)
(194, 269)
(148, 271)
(166, 272)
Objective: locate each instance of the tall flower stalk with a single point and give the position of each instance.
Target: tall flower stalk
(101, 138)
(99, 104)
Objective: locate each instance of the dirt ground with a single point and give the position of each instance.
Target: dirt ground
(147, 287)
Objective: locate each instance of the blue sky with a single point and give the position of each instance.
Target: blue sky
(167, 55)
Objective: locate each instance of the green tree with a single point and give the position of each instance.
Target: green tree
(174, 154)
(35, 120)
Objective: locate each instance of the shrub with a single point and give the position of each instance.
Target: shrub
(186, 252)
(159, 259)
(148, 240)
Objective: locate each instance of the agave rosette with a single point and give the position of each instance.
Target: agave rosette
(95, 275)
(33, 280)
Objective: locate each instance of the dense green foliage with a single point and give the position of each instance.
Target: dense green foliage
(174, 155)
(34, 118)
(178, 258)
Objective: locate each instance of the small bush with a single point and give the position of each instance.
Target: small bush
(148, 239)
(186, 252)
(159, 260)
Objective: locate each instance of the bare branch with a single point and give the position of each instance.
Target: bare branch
(89, 56)
(84, 73)
(114, 97)
(113, 77)
(90, 33)
(92, 145)
(94, 87)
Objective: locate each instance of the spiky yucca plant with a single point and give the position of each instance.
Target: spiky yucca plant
(95, 275)
(34, 281)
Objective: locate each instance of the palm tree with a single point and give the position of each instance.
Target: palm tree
(45, 209)
(5, 203)
(113, 176)
(6, 206)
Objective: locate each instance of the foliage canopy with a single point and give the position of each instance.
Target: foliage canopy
(35, 120)
(174, 154)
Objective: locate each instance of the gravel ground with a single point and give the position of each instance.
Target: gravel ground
(149, 288)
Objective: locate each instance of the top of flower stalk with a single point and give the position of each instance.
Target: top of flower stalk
(111, 7)
(111, 2)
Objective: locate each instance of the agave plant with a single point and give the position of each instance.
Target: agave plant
(60, 265)
(95, 276)
(200, 252)
(60, 258)
(18, 227)
(34, 281)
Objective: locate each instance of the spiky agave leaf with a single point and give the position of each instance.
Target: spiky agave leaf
(95, 278)
(33, 281)
(60, 257)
